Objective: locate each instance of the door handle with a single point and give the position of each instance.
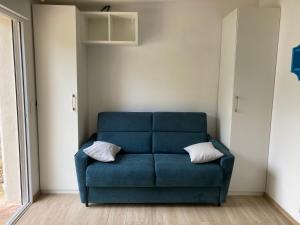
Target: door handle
(236, 106)
(74, 102)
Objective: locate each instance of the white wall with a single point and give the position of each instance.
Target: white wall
(24, 8)
(175, 67)
(283, 183)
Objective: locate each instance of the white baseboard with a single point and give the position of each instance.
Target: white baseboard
(281, 210)
(59, 191)
(231, 193)
(245, 193)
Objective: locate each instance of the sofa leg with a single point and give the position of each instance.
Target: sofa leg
(219, 204)
(86, 197)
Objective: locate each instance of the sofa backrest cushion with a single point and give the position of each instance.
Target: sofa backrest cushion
(131, 142)
(175, 142)
(161, 132)
(179, 122)
(130, 130)
(174, 131)
(124, 121)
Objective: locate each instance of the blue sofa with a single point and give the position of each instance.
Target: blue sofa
(152, 166)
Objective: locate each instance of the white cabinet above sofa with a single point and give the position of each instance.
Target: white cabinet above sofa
(109, 28)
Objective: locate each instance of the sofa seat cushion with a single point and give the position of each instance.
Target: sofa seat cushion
(128, 170)
(176, 170)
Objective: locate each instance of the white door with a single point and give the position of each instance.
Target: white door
(254, 83)
(56, 70)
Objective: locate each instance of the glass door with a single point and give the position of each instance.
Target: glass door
(14, 174)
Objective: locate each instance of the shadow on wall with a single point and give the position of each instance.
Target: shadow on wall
(211, 120)
(245, 180)
(217, 135)
(272, 184)
(147, 35)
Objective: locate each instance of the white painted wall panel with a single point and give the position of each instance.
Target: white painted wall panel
(227, 75)
(256, 48)
(254, 84)
(56, 77)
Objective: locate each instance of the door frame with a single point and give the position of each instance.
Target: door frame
(22, 110)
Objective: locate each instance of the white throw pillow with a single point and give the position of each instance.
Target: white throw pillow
(203, 152)
(102, 151)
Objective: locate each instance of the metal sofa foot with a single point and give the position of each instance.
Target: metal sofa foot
(86, 197)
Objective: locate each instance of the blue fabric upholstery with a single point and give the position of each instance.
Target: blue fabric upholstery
(124, 121)
(226, 162)
(175, 170)
(174, 142)
(81, 163)
(131, 142)
(180, 121)
(129, 130)
(174, 131)
(129, 170)
(154, 195)
(141, 174)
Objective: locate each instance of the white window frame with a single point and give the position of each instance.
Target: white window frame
(22, 110)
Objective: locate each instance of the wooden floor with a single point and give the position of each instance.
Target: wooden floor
(67, 210)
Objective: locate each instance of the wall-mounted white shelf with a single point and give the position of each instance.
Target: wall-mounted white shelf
(110, 28)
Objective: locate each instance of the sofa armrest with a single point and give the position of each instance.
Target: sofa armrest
(227, 160)
(81, 163)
